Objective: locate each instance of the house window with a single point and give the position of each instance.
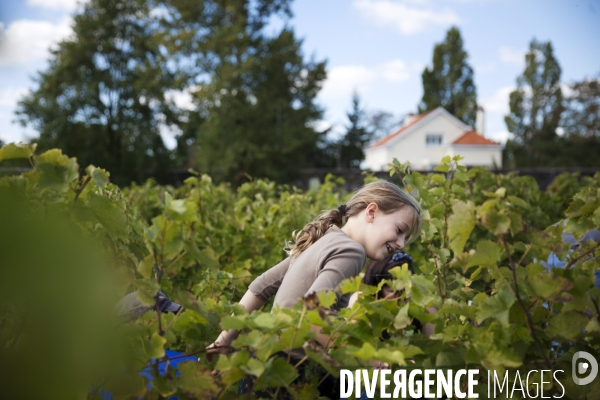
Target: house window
(433, 140)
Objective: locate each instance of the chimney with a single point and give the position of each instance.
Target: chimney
(410, 117)
(480, 121)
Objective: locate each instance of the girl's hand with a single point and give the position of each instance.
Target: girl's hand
(217, 348)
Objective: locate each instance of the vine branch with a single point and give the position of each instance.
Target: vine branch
(522, 304)
(576, 259)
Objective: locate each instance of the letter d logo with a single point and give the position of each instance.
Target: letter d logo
(584, 367)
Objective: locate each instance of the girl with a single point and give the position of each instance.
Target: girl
(377, 221)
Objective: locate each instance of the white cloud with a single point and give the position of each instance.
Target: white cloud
(484, 68)
(512, 56)
(407, 17)
(498, 101)
(342, 81)
(63, 5)
(26, 41)
(395, 71)
(501, 136)
(10, 95)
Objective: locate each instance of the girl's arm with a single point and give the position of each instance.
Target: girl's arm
(251, 303)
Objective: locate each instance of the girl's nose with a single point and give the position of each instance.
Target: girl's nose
(400, 242)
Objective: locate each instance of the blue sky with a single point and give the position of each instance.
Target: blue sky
(377, 48)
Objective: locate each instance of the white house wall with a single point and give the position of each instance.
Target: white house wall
(414, 149)
(478, 155)
(377, 159)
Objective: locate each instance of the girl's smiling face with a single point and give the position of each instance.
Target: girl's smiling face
(385, 233)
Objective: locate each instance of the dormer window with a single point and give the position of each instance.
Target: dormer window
(433, 140)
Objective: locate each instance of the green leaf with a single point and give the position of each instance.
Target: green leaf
(253, 367)
(438, 178)
(265, 321)
(450, 356)
(460, 225)
(327, 298)
(277, 372)
(496, 222)
(298, 336)
(393, 357)
(518, 202)
(551, 287)
(146, 266)
(165, 386)
(497, 306)
(111, 217)
(196, 380)
(99, 175)
(146, 290)
(487, 253)
(350, 285)
(568, 325)
(205, 257)
(180, 210)
(402, 319)
(13, 150)
(158, 345)
(238, 322)
(55, 171)
(442, 168)
(516, 223)
(366, 352)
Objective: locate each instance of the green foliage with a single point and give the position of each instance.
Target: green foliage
(449, 83)
(580, 143)
(259, 110)
(355, 139)
(478, 263)
(111, 88)
(535, 111)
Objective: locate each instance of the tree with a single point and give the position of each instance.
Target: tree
(449, 83)
(535, 110)
(382, 123)
(259, 102)
(351, 146)
(580, 142)
(101, 98)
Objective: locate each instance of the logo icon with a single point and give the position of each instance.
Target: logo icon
(580, 368)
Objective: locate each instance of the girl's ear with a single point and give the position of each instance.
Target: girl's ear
(370, 212)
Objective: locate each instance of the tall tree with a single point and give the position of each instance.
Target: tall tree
(580, 142)
(259, 102)
(535, 110)
(101, 98)
(449, 82)
(351, 147)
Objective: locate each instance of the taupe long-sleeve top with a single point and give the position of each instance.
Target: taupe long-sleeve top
(328, 261)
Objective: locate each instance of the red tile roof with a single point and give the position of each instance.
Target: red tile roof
(400, 131)
(472, 137)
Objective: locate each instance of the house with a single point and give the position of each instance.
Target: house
(426, 138)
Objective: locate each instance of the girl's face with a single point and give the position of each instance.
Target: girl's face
(389, 293)
(385, 233)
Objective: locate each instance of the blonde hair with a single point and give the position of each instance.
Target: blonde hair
(388, 197)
